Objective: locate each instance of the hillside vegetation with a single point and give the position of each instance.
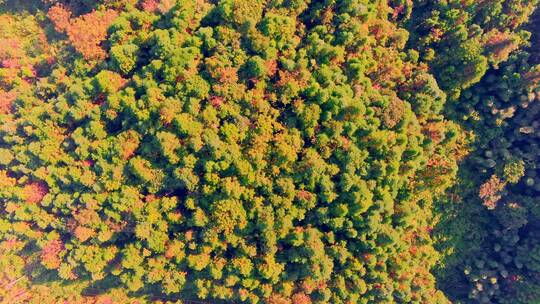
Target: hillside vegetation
(269, 151)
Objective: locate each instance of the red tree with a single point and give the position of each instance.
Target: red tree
(490, 191)
(87, 32)
(34, 192)
(6, 99)
(60, 17)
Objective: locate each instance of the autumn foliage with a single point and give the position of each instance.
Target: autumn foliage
(287, 152)
(86, 32)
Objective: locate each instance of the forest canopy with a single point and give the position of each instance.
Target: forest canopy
(269, 151)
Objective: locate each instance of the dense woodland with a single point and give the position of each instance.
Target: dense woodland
(270, 151)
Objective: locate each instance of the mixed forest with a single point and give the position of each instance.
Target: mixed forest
(270, 151)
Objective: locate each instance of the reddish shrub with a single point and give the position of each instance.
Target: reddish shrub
(50, 254)
(150, 5)
(301, 298)
(271, 67)
(228, 75)
(34, 192)
(60, 17)
(490, 191)
(308, 285)
(500, 45)
(85, 32)
(11, 63)
(9, 46)
(83, 233)
(6, 100)
(12, 244)
(88, 163)
(304, 195)
(397, 10)
(88, 31)
(216, 101)
(104, 300)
